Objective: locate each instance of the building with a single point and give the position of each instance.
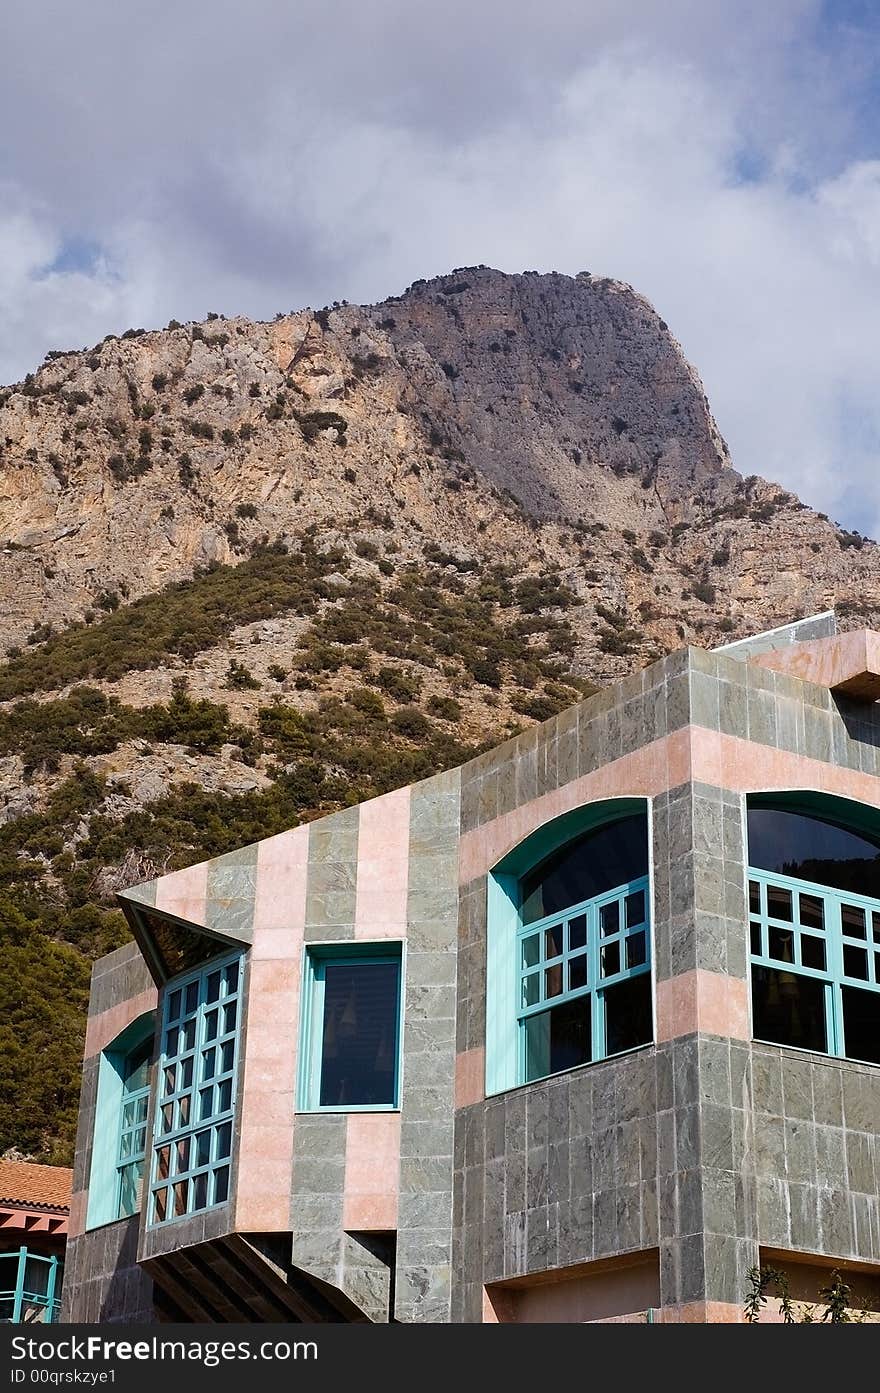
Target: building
(34, 1210)
(583, 1030)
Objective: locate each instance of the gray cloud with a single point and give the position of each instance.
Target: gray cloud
(256, 158)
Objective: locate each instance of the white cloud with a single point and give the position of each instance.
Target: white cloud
(248, 159)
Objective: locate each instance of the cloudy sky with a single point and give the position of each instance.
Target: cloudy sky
(170, 157)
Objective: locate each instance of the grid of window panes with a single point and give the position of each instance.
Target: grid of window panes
(131, 1156)
(815, 956)
(576, 997)
(192, 1135)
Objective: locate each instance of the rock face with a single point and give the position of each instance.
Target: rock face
(483, 411)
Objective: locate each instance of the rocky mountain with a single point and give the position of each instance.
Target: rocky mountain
(250, 572)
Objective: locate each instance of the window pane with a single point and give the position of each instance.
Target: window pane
(755, 931)
(780, 944)
(855, 962)
(188, 1036)
(635, 950)
(553, 981)
(754, 897)
(209, 1063)
(875, 921)
(852, 917)
(558, 1039)
(173, 1006)
(809, 848)
(861, 1024)
(812, 912)
(206, 1101)
(180, 1193)
(227, 1053)
(181, 1156)
(359, 1036)
(221, 1184)
(611, 959)
(553, 941)
(211, 1025)
(531, 989)
(813, 952)
(192, 997)
(186, 1072)
(183, 1111)
(170, 1081)
(577, 933)
(203, 1147)
(213, 987)
(137, 1067)
(130, 1181)
(788, 1008)
(599, 860)
(609, 918)
(635, 909)
(577, 972)
(531, 951)
(163, 1162)
(200, 1191)
(224, 1096)
(229, 1016)
(224, 1141)
(778, 903)
(628, 1014)
(160, 1205)
(231, 975)
(125, 1145)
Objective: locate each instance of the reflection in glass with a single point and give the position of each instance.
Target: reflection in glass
(599, 860)
(359, 1034)
(558, 1039)
(811, 848)
(788, 1009)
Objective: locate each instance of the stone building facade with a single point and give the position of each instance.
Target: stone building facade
(408, 1079)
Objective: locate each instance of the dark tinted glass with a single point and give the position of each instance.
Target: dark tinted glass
(628, 1014)
(558, 1039)
(861, 1024)
(359, 1042)
(137, 1067)
(598, 861)
(788, 1009)
(810, 849)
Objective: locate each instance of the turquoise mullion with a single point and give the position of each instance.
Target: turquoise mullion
(596, 984)
(833, 936)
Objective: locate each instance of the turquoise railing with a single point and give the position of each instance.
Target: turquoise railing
(30, 1287)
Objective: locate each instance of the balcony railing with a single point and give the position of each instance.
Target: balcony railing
(30, 1287)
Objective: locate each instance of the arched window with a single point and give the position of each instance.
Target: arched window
(814, 909)
(569, 945)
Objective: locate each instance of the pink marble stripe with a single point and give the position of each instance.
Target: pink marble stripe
(470, 1076)
(185, 892)
(268, 1097)
(372, 1168)
(102, 1030)
(383, 866)
(728, 761)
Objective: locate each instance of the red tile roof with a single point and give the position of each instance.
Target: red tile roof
(44, 1187)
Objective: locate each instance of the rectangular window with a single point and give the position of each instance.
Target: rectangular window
(584, 982)
(815, 969)
(350, 1050)
(192, 1134)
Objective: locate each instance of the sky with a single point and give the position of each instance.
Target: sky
(166, 159)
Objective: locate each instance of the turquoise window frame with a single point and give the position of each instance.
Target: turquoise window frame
(196, 1091)
(834, 977)
(32, 1307)
(104, 1177)
(505, 1047)
(132, 1147)
(316, 958)
(599, 943)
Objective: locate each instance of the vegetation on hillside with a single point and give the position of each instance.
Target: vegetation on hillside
(355, 712)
